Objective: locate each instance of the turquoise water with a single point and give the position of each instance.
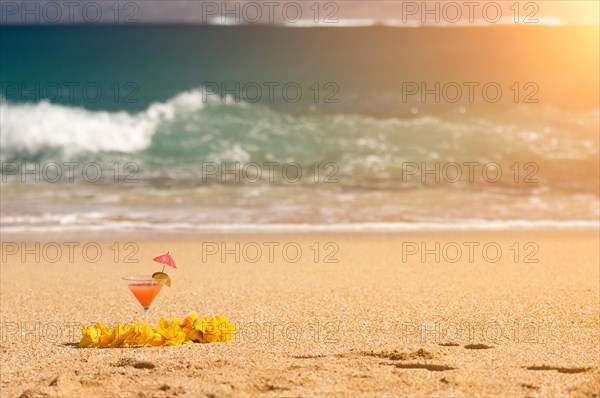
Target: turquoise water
(167, 104)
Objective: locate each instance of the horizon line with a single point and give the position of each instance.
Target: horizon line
(312, 26)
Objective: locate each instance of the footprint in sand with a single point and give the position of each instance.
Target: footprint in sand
(478, 347)
(395, 356)
(400, 356)
(559, 369)
(403, 356)
(124, 362)
(308, 356)
(432, 368)
(144, 365)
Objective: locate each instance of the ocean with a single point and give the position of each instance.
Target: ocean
(194, 127)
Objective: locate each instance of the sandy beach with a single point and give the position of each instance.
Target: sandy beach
(350, 315)
(362, 199)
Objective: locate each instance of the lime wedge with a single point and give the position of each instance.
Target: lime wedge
(162, 275)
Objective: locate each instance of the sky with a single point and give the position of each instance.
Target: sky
(302, 12)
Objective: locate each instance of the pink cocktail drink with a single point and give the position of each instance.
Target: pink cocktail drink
(145, 292)
(144, 288)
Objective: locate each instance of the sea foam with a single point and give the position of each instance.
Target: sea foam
(31, 127)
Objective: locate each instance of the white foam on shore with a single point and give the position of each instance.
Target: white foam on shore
(70, 224)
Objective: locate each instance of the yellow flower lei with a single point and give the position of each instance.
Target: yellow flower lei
(190, 330)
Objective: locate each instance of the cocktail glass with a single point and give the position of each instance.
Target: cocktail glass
(145, 289)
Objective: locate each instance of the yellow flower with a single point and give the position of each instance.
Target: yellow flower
(89, 337)
(189, 321)
(172, 332)
(156, 339)
(136, 337)
(192, 329)
(227, 329)
(121, 333)
(106, 337)
(215, 329)
(212, 332)
(193, 335)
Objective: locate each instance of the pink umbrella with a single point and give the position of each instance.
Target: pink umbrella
(165, 259)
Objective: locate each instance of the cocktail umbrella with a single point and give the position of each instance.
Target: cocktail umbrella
(165, 259)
